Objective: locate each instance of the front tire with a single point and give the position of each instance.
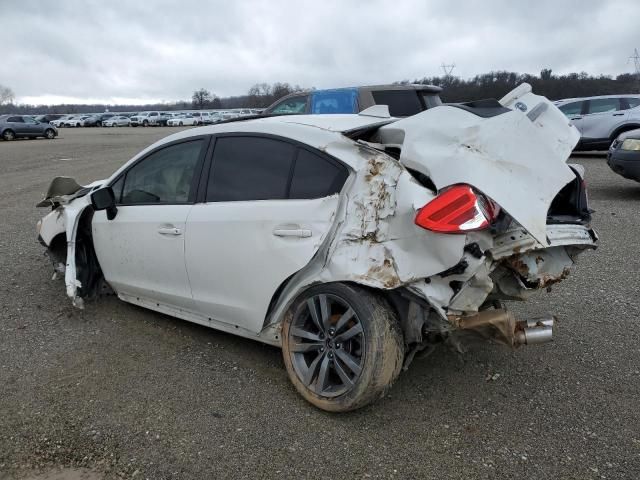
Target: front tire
(49, 134)
(342, 346)
(145, 123)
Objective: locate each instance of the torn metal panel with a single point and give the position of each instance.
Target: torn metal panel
(451, 146)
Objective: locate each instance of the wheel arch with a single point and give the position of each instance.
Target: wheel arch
(622, 129)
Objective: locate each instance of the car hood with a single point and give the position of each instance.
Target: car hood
(516, 157)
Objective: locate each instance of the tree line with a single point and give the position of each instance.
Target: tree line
(455, 89)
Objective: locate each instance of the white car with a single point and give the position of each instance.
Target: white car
(351, 241)
(60, 122)
(117, 121)
(76, 121)
(179, 121)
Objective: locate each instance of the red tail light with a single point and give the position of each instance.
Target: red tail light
(456, 210)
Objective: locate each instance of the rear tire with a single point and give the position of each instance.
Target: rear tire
(350, 354)
(8, 135)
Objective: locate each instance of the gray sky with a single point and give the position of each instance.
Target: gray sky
(118, 51)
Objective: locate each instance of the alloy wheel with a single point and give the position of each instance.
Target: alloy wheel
(327, 345)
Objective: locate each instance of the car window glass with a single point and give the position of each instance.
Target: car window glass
(292, 105)
(573, 108)
(402, 103)
(602, 105)
(315, 177)
(335, 101)
(164, 176)
(633, 102)
(249, 168)
(29, 120)
(15, 120)
(117, 189)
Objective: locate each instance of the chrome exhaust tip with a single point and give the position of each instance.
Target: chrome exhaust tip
(535, 331)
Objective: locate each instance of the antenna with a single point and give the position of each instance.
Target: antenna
(448, 69)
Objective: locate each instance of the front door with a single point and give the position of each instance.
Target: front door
(141, 250)
(269, 206)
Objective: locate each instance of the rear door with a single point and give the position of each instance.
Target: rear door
(269, 205)
(17, 125)
(574, 111)
(603, 115)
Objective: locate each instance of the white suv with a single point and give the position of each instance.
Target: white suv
(601, 119)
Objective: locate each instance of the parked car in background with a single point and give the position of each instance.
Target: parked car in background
(350, 254)
(202, 118)
(146, 119)
(402, 100)
(47, 118)
(18, 126)
(601, 119)
(183, 119)
(77, 121)
(60, 122)
(624, 155)
(117, 121)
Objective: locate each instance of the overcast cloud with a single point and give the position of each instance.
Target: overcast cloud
(117, 51)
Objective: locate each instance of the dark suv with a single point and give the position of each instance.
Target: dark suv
(403, 100)
(16, 126)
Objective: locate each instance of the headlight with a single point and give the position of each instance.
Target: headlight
(631, 144)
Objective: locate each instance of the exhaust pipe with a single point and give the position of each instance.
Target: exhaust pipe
(504, 327)
(535, 331)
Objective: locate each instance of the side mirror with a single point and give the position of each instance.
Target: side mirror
(105, 199)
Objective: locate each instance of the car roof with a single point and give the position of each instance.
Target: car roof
(595, 97)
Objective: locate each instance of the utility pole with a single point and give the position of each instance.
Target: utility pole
(448, 69)
(636, 61)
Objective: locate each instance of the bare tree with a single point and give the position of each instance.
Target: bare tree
(201, 98)
(6, 95)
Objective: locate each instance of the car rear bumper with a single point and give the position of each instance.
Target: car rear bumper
(625, 163)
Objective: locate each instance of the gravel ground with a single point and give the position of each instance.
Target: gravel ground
(116, 391)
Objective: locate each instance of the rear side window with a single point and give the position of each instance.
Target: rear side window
(573, 108)
(335, 101)
(402, 103)
(316, 177)
(633, 102)
(603, 105)
(15, 120)
(250, 168)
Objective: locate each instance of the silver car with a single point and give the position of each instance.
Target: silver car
(601, 119)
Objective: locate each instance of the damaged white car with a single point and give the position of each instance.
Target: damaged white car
(354, 242)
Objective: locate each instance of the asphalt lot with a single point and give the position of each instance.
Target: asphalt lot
(116, 391)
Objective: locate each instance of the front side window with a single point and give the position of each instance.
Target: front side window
(164, 177)
(603, 105)
(402, 103)
(249, 168)
(292, 105)
(573, 108)
(29, 120)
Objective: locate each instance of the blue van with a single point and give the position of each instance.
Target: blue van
(402, 100)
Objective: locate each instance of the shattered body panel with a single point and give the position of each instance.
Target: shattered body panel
(440, 282)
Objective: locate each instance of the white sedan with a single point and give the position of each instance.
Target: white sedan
(181, 120)
(351, 241)
(117, 121)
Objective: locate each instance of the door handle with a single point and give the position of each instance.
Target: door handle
(169, 231)
(292, 232)
(618, 114)
(576, 118)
